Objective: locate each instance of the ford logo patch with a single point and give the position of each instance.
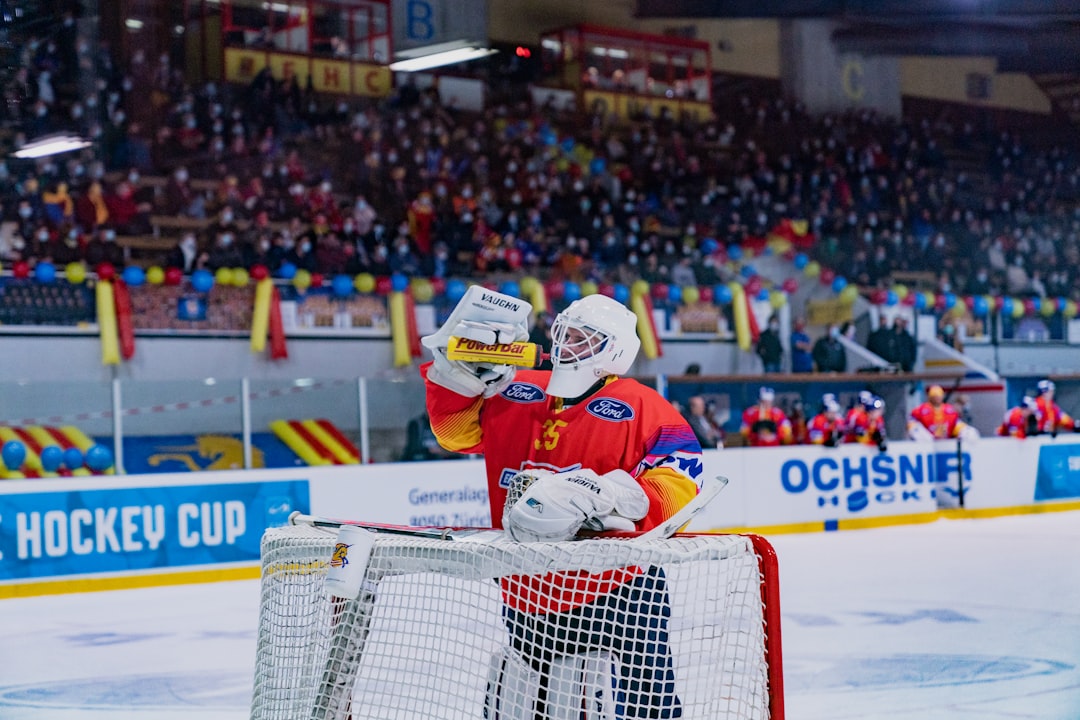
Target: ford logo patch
(521, 392)
(611, 409)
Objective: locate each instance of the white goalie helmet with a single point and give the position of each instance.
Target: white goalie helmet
(594, 337)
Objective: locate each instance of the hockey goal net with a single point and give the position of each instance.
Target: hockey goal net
(683, 627)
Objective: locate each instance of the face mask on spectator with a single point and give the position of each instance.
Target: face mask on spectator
(226, 240)
(25, 212)
(43, 236)
(391, 157)
(18, 244)
(188, 243)
(264, 245)
(633, 259)
(110, 236)
(181, 176)
(305, 246)
(226, 218)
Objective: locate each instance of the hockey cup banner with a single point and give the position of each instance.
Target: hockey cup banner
(65, 533)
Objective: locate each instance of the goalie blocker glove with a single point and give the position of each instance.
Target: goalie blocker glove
(553, 507)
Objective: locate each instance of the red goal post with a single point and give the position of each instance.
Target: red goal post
(427, 635)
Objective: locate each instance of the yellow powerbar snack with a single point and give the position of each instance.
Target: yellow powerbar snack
(521, 354)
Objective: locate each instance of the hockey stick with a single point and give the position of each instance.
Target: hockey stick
(710, 488)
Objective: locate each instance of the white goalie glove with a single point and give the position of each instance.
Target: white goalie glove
(487, 317)
(551, 507)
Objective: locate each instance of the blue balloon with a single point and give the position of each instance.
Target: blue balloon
(722, 294)
(1007, 307)
(342, 286)
(510, 288)
(455, 290)
(674, 293)
(734, 252)
(1061, 303)
(287, 271)
(134, 275)
(891, 298)
(801, 261)
(99, 458)
(980, 307)
(1036, 304)
(202, 280)
(45, 272)
(622, 293)
(548, 137)
(13, 453)
(73, 458)
(709, 246)
(748, 271)
(762, 294)
(839, 283)
(571, 291)
(597, 166)
(51, 458)
(950, 301)
(920, 301)
(399, 282)
(567, 145)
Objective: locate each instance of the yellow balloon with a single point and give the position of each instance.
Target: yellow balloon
(589, 288)
(849, 294)
(301, 280)
(75, 272)
(155, 275)
(240, 277)
(364, 282)
(690, 294)
(1018, 309)
(901, 291)
(1070, 309)
(812, 269)
(223, 276)
(778, 298)
(640, 287)
(528, 285)
(1048, 307)
(931, 299)
(422, 290)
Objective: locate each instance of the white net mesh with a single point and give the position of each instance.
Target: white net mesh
(670, 628)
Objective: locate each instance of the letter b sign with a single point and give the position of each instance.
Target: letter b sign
(420, 15)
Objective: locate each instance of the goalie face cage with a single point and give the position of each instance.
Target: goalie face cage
(685, 627)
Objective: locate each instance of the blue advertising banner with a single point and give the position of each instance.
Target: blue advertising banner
(52, 534)
(1059, 472)
(145, 454)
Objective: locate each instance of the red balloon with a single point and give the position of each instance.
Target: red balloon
(660, 291)
(880, 297)
(909, 299)
(383, 285)
(555, 289)
(174, 276)
(705, 293)
(105, 271)
(259, 272)
(438, 285)
(606, 289)
(939, 302)
(827, 276)
(999, 302)
(969, 301)
(753, 286)
(21, 269)
(317, 280)
(1029, 306)
(790, 285)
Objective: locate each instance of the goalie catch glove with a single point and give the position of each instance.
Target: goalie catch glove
(554, 506)
(484, 316)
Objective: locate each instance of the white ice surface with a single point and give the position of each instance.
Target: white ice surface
(971, 619)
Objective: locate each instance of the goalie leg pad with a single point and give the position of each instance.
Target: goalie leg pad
(584, 687)
(512, 689)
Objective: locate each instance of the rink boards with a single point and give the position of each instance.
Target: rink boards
(76, 534)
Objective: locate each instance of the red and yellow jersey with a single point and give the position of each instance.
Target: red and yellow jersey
(942, 421)
(1052, 418)
(765, 427)
(822, 428)
(863, 429)
(624, 425)
(1016, 423)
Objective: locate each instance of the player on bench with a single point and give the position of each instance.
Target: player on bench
(566, 449)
